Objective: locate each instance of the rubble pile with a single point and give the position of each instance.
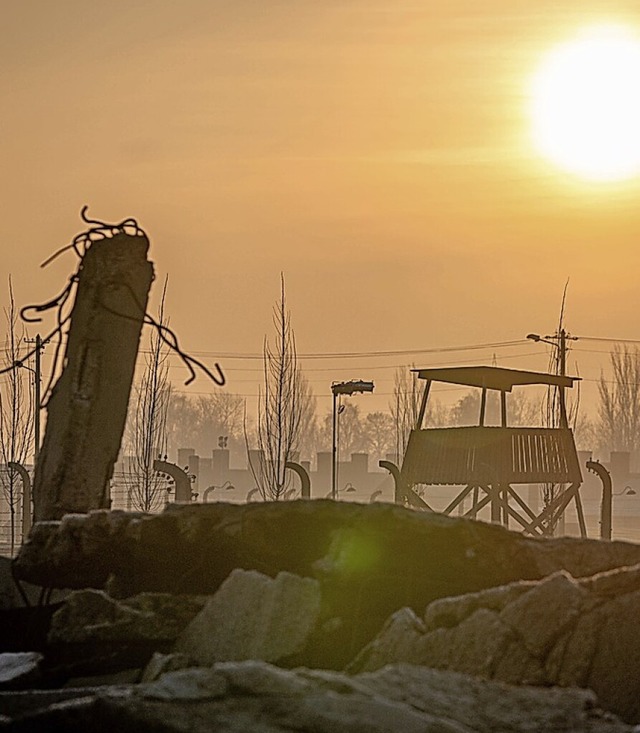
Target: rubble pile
(319, 615)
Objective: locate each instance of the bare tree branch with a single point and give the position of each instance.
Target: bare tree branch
(282, 405)
(619, 404)
(147, 438)
(16, 413)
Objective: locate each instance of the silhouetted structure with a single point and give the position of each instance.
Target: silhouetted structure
(489, 460)
(88, 406)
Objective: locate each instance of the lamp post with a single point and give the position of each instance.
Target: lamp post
(560, 342)
(339, 388)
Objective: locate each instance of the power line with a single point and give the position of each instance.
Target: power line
(610, 340)
(374, 368)
(362, 354)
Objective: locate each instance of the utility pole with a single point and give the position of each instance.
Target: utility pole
(559, 340)
(37, 381)
(562, 368)
(36, 416)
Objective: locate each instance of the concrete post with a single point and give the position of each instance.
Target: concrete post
(88, 406)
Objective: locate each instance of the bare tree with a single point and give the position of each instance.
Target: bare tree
(183, 423)
(619, 402)
(350, 431)
(308, 430)
(199, 422)
(521, 410)
(147, 438)
(405, 406)
(16, 414)
(379, 434)
(280, 407)
(466, 411)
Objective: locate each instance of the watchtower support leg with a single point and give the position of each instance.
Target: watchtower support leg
(496, 503)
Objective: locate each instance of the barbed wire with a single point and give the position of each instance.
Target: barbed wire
(97, 231)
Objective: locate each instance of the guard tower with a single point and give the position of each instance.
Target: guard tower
(490, 462)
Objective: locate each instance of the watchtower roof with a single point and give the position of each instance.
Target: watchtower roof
(490, 377)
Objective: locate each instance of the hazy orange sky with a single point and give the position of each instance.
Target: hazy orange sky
(378, 154)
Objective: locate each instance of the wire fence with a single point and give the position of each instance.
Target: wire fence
(625, 520)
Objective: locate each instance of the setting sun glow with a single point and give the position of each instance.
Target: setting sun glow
(585, 105)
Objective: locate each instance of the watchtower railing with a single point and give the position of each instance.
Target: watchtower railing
(482, 455)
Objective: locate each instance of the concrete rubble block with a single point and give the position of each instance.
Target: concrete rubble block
(398, 638)
(10, 595)
(557, 631)
(19, 669)
(581, 558)
(487, 706)
(476, 646)
(122, 677)
(448, 612)
(160, 664)
(197, 546)
(253, 616)
(92, 616)
(255, 696)
(370, 560)
(614, 670)
(79, 551)
(558, 597)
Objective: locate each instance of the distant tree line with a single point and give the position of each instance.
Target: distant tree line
(198, 421)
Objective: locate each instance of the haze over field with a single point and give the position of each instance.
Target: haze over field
(379, 154)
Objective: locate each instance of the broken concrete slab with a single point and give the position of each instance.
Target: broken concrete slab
(369, 559)
(197, 547)
(19, 669)
(160, 664)
(250, 695)
(557, 631)
(94, 636)
(253, 616)
(93, 616)
(79, 551)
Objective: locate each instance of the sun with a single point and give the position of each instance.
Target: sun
(585, 105)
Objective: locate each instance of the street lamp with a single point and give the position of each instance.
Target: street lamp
(349, 488)
(226, 486)
(537, 337)
(353, 386)
(627, 491)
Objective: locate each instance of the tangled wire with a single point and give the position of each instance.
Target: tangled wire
(80, 244)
